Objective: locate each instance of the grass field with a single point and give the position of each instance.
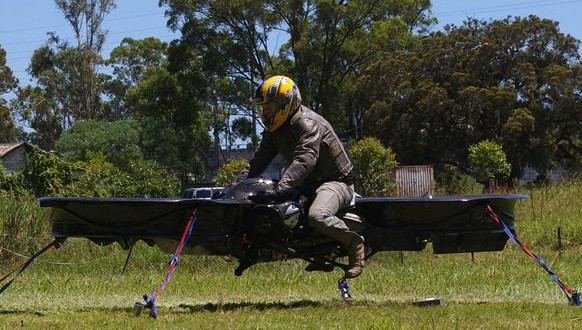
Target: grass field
(81, 285)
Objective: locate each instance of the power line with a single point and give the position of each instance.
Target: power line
(104, 49)
(109, 33)
(66, 25)
(164, 38)
(491, 9)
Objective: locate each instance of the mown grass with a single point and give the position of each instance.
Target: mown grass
(81, 285)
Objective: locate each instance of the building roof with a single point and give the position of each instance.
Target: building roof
(6, 148)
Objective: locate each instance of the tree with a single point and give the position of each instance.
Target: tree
(489, 162)
(325, 45)
(332, 42)
(110, 160)
(375, 166)
(224, 47)
(7, 84)
(118, 141)
(169, 107)
(129, 63)
(68, 86)
(514, 81)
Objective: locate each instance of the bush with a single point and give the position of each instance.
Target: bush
(228, 172)
(375, 166)
(11, 185)
(24, 227)
(45, 173)
(100, 178)
(452, 181)
(489, 162)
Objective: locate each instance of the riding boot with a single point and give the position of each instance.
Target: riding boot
(354, 245)
(356, 257)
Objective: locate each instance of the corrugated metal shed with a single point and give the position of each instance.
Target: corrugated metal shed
(415, 180)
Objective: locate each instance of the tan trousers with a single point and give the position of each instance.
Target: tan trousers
(330, 197)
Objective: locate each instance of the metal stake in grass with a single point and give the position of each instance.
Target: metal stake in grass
(344, 287)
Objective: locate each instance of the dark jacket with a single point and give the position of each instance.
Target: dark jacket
(310, 146)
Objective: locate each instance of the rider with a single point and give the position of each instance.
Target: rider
(317, 161)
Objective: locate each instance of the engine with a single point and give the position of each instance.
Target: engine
(266, 223)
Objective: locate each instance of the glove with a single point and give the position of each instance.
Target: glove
(267, 196)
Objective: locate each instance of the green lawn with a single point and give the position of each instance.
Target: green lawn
(81, 285)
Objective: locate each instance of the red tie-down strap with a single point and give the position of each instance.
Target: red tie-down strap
(572, 295)
(150, 302)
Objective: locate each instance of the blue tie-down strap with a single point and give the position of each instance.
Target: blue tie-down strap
(151, 304)
(572, 295)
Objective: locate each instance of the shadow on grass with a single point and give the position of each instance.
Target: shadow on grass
(215, 307)
(261, 306)
(10, 312)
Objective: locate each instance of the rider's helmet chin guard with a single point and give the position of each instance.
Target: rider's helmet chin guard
(280, 94)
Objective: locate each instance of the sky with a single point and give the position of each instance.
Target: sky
(566, 12)
(24, 23)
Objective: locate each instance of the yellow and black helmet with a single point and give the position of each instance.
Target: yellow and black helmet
(281, 93)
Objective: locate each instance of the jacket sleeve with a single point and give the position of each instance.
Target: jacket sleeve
(263, 156)
(305, 154)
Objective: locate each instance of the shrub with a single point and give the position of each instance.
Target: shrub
(489, 162)
(141, 178)
(24, 227)
(229, 171)
(375, 166)
(45, 173)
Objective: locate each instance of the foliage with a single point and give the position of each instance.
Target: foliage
(322, 45)
(146, 178)
(173, 129)
(160, 141)
(228, 172)
(7, 79)
(375, 166)
(45, 173)
(129, 62)
(118, 140)
(68, 85)
(514, 81)
(96, 179)
(368, 66)
(139, 178)
(23, 227)
(489, 162)
(7, 83)
(48, 175)
(452, 181)
(12, 184)
(8, 129)
(161, 100)
(484, 290)
(165, 107)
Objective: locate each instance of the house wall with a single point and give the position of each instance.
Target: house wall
(14, 160)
